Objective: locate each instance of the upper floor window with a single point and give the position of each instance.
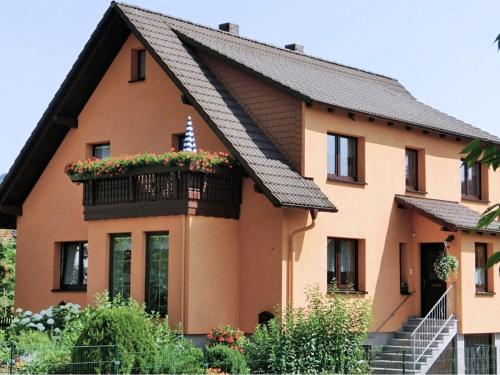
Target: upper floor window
(342, 157)
(471, 180)
(411, 169)
(481, 275)
(101, 151)
(74, 263)
(138, 65)
(178, 141)
(342, 269)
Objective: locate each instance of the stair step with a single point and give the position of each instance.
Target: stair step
(423, 335)
(397, 349)
(378, 370)
(407, 342)
(398, 356)
(381, 363)
(411, 328)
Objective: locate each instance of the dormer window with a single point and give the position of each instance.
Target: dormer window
(101, 151)
(138, 65)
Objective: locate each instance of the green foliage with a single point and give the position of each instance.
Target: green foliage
(445, 265)
(7, 272)
(199, 161)
(121, 326)
(228, 360)
(175, 354)
(326, 336)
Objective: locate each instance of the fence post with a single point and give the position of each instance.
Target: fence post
(404, 362)
(117, 361)
(11, 359)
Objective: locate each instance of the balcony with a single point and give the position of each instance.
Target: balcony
(160, 191)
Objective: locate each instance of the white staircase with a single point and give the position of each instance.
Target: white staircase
(420, 342)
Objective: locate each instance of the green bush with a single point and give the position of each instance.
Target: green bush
(122, 328)
(326, 336)
(230, 361)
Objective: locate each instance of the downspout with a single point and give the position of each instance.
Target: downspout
(291, 253)
(184, 272)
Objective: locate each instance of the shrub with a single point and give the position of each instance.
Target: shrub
(226, 335)
(229, 361)
(326, 336)
(122, 328)
(174, 353)
(52, 319)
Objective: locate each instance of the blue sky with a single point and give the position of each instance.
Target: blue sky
(442, 51)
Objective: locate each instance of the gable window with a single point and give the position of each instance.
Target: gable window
(471, 180)
(481, 275)
(157, 246)
(342, 157)
(411, 169)
(101, 150)
(342, 269)
(178, 141)
(138, 65)
(120, 264)
(74, 263)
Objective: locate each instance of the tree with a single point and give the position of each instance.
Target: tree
(489, 155)
(497, 40)
(7, 272)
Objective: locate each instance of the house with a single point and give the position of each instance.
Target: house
(342, 175)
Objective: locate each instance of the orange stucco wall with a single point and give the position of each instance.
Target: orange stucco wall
(367, 212)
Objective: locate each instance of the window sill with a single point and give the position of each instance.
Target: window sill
(66, 290)
(137, 80)
(345, 181)
(485, 294)
(472, 199)
(355, 292)
(412, 191)
(405, 292)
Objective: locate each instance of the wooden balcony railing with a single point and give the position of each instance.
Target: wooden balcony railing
(160, 191)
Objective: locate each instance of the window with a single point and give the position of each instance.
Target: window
(138, 65)
(101, 151)
(342, 157)
(178, 141)
(471, 180)
(120, 262)
(74, 263)
(403, 269)
(480, 354)
(157, 272)
(481, 275)
(411, 169)
(342, 266)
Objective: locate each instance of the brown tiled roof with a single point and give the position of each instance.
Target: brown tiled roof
(261, 159)
(317, 79)
(450, 214)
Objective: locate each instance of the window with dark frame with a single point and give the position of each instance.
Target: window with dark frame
(120, 265)
(342, 153)
(411, 169)
(481, 274)
(342, 267)
(157, 248)
(141, 64)
(101, 151)
(74, 264)
(471, 180)
(178, 141)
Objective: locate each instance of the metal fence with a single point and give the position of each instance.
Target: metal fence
(108, 360)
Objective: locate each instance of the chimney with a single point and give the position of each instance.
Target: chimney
(229, 27)
(295, 47)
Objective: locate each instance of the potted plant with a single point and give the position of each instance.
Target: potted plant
(446, 265)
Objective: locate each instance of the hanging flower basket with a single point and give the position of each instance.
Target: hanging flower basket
(445, 266)
(201, 161)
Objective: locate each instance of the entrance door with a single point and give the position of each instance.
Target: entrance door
(431, 287)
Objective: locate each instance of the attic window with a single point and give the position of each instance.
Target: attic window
(101, 151)
(138, 65)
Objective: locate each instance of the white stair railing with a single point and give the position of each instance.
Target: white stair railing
(432, 324)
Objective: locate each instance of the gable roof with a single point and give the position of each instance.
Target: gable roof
(315, 79)
(452, 215)
(248, 144)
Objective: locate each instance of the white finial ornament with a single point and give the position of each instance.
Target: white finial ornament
(189, 143)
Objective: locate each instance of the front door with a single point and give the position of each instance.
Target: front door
(431, 287)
